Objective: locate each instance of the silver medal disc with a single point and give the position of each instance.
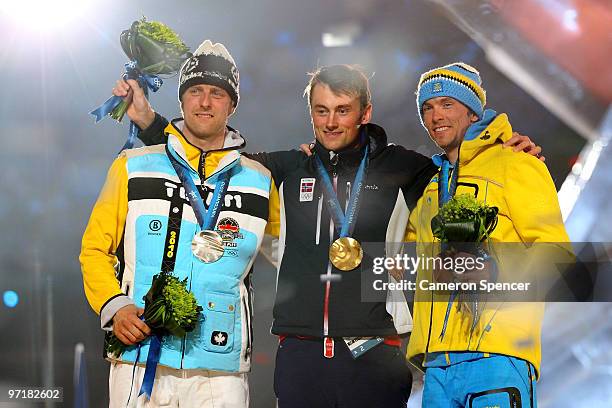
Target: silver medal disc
(207, 246)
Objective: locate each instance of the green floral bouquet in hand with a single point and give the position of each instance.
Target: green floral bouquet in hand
(170, 309)
(156, 49)
(464, 223)
(153, 49)
(463, 219)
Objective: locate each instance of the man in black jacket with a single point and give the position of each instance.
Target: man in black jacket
(357, 187)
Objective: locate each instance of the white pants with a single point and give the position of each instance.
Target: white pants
(177, 388)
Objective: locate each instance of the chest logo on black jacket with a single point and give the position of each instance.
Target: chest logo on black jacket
(307, 189)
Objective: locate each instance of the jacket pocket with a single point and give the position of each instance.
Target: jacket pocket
(219, 317)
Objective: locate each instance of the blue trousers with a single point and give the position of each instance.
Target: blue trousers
(495, 381)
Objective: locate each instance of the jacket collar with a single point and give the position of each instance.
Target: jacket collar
(189, 153)
(370, 132)
(491, 129)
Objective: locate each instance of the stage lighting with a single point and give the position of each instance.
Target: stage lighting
(42, 15)
(570, 20)
(341, 35)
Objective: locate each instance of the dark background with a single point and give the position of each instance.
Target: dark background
(54, 159)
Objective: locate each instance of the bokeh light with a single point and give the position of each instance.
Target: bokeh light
(10, 298)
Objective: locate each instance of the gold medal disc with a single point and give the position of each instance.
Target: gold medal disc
(207, 246)
(346, 253)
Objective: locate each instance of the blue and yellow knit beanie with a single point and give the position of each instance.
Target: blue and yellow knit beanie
(458, 80)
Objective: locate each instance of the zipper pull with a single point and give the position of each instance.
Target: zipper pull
(202, 169)
(333, 159)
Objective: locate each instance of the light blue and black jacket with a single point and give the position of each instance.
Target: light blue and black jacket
(160, 225)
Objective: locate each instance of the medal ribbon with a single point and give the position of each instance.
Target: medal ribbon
(206, 219)
(146, 82)
(446, 191)
(344, 224)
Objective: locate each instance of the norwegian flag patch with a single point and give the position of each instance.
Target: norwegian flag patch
(307, 189)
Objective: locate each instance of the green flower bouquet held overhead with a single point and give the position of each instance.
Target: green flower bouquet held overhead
(153, 49)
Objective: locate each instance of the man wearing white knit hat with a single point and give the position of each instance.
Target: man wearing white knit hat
(195, 208)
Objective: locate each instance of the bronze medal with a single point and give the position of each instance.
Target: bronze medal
(207, 246)
(346, 253)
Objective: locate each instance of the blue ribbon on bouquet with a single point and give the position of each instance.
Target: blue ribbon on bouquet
(152, 361)
(146, 82)
(151, 367)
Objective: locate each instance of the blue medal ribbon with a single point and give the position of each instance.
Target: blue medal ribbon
(344, 224)
(206, 219)
(146, 82)
(446, 191)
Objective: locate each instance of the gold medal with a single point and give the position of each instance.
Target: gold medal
(207, 246)
(346, 253)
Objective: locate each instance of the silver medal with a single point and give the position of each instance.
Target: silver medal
(207, 246)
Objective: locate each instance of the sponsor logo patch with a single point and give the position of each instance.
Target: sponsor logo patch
(154, 228)
(155, 225)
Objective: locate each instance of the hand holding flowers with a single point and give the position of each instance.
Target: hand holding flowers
(170, 309)
(463, 224)
(153, 49)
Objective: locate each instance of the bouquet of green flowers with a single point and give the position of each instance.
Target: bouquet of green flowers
(153, 49)
(463, 223)
(170, 309)
(464, 219)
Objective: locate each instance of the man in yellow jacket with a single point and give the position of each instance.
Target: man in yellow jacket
(493, 359)
(150, 218)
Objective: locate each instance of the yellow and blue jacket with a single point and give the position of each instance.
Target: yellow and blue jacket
(522, 189)
(143, 221)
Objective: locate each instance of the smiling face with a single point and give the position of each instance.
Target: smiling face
(206, 109)
(447, 120)
(336, 117)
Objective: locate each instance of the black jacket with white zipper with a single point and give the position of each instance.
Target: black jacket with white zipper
(304, 304)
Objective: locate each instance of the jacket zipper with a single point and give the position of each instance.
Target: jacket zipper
(348, 195)
(319, 210)
(248, 329)
(202, 167)
(329, 264)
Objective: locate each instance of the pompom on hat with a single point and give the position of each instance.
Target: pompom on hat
(211, 64)
(459, 81)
